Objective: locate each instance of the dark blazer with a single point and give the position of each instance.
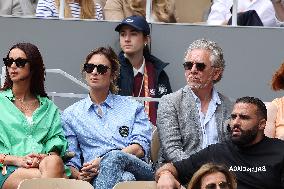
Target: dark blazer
(126, 77)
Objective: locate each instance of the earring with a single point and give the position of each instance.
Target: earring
(145, 44)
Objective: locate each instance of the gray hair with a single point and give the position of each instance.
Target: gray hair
(216, 53)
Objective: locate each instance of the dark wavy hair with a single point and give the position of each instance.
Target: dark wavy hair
(109, 53)
(37, 69)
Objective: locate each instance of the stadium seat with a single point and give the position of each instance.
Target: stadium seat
(136, 185)
(155, 146)
(54, 183)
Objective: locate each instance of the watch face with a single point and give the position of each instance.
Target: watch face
(124, 131)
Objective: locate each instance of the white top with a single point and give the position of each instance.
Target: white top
(29, 120)
(47, 9)
(220, 11)
(141, 69)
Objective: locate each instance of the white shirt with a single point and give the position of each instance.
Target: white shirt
(208, 121)
(29, 120)
(141, 69)
(48, 9)
(220, 11)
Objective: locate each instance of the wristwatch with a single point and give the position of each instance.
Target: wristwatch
(276, 1)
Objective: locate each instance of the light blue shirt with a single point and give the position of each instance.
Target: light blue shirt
(208, 121)
(123, 122)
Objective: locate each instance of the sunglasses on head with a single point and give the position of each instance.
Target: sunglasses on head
(20, 62)
(200, 66)
(222, 185)
(101, 69)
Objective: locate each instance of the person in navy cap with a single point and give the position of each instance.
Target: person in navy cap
(141, 74)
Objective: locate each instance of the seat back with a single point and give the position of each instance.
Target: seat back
(192, 11)
(54, 183)
(136, 185)
(155, 145)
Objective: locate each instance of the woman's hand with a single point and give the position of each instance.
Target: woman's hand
(31, 160)
(90, 170)
(25, 162)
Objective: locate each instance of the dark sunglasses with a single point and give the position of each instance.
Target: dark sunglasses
(200, 66)
(222, 185)
(20, 62)
(101, 69)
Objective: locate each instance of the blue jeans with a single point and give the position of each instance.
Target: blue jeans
(117, 166)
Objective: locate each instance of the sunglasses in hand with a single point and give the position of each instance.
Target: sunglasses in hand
(101, 69)
(20, 62)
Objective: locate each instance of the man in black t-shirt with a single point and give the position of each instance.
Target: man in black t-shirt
(256, 160)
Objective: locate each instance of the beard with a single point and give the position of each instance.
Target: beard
(196, 84)
(246, 137)
(199, 84)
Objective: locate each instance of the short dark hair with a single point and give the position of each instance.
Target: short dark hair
(261, 108)
(109, 53)
(36, 67)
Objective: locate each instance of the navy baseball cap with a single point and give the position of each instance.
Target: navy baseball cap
(137, 22)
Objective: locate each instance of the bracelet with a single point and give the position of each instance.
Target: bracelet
(4, 168)
(3, 158)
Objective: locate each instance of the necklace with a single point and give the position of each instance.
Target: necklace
(27, 107)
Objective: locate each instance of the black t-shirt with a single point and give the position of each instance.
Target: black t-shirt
(257, 167)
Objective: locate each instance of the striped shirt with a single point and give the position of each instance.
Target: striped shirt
(48, 9)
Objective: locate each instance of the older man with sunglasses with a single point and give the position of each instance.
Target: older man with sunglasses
(194, 117)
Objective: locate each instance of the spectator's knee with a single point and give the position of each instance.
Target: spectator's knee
(52, 163)
(114, 155)
(127, 176)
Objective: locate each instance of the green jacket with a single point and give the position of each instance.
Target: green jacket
(19, 137)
